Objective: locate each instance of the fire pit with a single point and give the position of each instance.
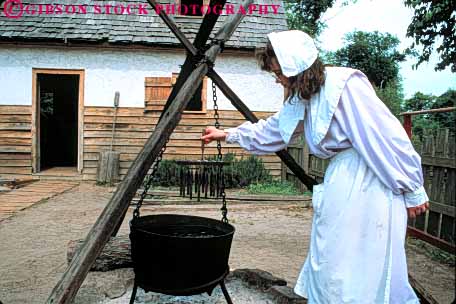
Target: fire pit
(180, 254)
(247, 286)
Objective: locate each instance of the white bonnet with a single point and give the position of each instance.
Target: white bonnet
(295, 51)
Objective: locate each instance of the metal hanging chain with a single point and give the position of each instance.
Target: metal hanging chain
(216, 117)
(224, 209)
(150, 178)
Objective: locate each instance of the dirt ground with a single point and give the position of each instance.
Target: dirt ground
(33, 246)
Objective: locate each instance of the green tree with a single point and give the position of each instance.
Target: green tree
(392, 95)
(374, 53)
(447, 119)
(420, 102)
(434, 21)
(431, 121)
(305, 15)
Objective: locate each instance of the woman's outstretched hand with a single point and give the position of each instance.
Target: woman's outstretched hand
(415, 211)
(211, 134)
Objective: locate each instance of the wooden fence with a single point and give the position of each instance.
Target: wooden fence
(301, 154)
(313, 165)
(437, 151)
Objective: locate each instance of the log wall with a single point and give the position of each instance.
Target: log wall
(134, 126)
(15, 140)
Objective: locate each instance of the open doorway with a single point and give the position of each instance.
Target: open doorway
(56, 121)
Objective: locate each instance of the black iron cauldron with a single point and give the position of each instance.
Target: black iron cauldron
(179, 254)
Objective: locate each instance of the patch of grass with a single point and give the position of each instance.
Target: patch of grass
(273, 187)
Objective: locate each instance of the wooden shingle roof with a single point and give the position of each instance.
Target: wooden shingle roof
(134, 28)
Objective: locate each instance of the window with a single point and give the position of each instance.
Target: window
(198, 102)
(158, 89)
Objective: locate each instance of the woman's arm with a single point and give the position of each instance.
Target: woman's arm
(381, 140)
(259, 138)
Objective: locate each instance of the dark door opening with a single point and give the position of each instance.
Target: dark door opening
(58, 102)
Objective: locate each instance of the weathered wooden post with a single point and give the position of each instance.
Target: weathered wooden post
(108, 161)
(108, 167)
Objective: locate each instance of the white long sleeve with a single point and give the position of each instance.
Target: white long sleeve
(259, 138)
(361, 121)
(381, 140)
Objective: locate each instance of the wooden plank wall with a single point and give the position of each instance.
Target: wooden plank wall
(157, 90)
(133, 127)
(15, 140)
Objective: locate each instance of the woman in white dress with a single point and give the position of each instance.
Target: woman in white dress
(374, 178)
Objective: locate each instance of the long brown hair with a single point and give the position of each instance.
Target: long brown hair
(305, 83)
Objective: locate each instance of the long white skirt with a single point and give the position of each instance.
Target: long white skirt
(356, 250)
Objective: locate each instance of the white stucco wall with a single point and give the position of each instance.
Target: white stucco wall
(110, 70)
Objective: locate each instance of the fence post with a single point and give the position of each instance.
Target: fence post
(408, 124)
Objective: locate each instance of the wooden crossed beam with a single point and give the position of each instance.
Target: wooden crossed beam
(187, 83)
(200, 40)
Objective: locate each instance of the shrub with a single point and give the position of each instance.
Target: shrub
(245, 171)
(167, 174)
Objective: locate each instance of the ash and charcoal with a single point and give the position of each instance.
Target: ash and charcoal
(245, 286)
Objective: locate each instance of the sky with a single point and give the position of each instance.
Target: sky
(385, 16)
